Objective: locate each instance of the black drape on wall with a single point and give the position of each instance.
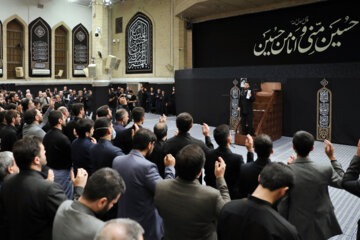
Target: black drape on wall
(205, 94)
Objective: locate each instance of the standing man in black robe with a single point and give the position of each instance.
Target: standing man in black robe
(247, 97)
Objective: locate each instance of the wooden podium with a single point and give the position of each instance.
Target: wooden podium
(267, 113)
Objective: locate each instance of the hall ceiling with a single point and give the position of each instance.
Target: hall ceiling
(203, 10)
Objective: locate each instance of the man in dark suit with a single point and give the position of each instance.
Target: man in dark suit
(160, 130)
(104, 152)
(233, 161)
(124, 140)
(184, 123)
(141, 176)
(189, 209)
(81, 146)
(28, 202)
(8, 134)
(247, 97)
(250, 171)
(58, 151)
(78, 113)
(254, 217)
(308, 205)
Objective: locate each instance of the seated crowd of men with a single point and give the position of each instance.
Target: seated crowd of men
(85, 179)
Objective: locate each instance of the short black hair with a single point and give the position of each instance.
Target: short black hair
(29, 116)
(221, 134)
(83, 126)
(138, 113)
(25, 150)
(160, 130)
(263, 146)
(54, 117)
(105, 182)
(25, 103)
(101, 126)
(184, 122)
(10, 114)
(11, 106)
(2, 116)
(142, 138)
(276, 175)
(76, 108)
(303, 143)
(189, 162)
(120, 114)
(102, 111)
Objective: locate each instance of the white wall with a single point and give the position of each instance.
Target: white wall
(54, 11)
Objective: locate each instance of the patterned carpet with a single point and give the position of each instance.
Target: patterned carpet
(346, 205)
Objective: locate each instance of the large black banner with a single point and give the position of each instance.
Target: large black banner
(1, 49)
(80, 50)
(324, 32)
(39, 48)
(139, 43)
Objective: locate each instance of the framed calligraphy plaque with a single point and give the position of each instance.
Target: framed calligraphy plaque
(39, 48)
(139, 43)
(80, 56)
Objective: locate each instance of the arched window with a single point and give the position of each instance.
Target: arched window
(139, 44)
(1, 49)
(61, 51)
(80, 50)
(39, 48)
(15, 47)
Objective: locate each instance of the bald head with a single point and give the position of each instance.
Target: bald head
(120, 229)
(160, 130)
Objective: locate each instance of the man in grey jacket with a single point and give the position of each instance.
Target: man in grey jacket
(34, 121)
(189, 209)
(78, 219)
(308, 206)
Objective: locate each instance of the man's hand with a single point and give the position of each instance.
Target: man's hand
(50, 176)
(206, 130)
(358, 149)
(81, 177)
(133, 131)
(220, 168)
(52, 103)
(169, 160)
(162, 119)
(93, 140)
(249, 143)
(329, 150)
(291, 159)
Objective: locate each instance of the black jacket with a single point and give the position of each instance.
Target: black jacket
(351, 182)
(249, 173)
(246, 104)
(8, 136)
(28, 204)
(103, 154)
(58, 149)
(253, 218)
(233, 163)
(176, 143)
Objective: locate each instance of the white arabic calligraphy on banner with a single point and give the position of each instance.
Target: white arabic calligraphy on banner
(307, 38)
(139, 44)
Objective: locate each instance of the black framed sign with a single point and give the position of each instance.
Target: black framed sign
(1, 49)
(139, 44)
(80, 56)
(39, 48)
